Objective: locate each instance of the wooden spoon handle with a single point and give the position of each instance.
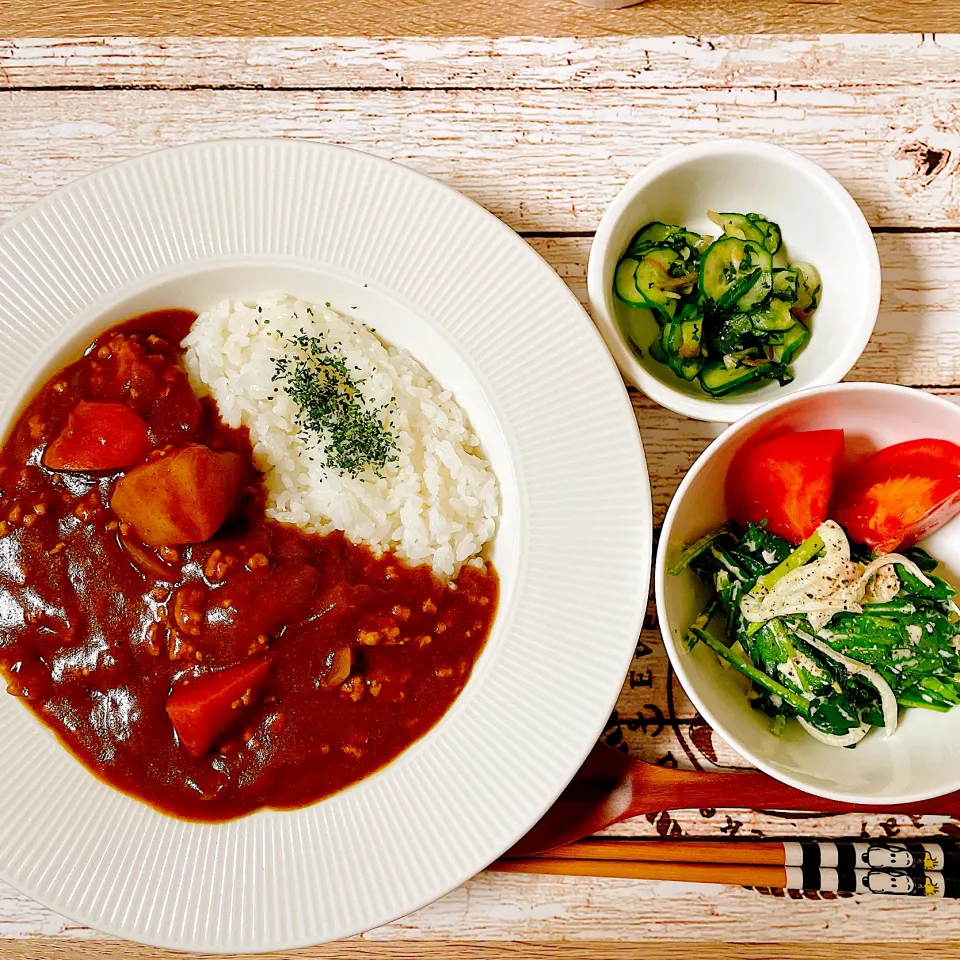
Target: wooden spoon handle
(610, 4)
(660, 788)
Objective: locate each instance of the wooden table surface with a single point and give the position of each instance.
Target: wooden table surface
(464, 18)
(543, 132)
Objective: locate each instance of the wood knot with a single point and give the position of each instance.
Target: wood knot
(927, 161)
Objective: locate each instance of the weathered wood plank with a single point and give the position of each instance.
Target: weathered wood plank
(541, 160)
(476, 950)
(468, 62)
(571, 909)
(445, 18)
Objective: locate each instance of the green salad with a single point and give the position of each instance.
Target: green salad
(731, 312)
(828, 633)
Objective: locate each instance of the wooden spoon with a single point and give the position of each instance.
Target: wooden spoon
(610, 4)
(611, 786)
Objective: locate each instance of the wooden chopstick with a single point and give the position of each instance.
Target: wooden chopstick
(671, 851)
(750, 875)
(938, 855)
(910, 883)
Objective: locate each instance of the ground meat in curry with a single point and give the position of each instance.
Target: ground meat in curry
(186, 649)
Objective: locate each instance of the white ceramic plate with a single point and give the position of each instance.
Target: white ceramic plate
(435, 273)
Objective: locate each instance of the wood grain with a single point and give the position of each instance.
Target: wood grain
(478, 950)
(677, 62)
(443, 18)
(541, 160)
(507, 950)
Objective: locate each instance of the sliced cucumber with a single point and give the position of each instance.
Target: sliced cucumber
(775, 315)
(736, 272)
(687, 369)
(772, 237)
(651, 235)
(680, 342)
(689, 245)
(757, 292)
(655, 282)
(656, 350)
(638, 283)
(727, 317)
(692, 239)
(691, 334)
(691, 310)
(671, 338)
(749, 226)
(683, 334)
(792, 341)
(786, 284)
(657, 234)
(625, 283)
(626, 289)
(811, 286)
(719, 380)
(738, 225)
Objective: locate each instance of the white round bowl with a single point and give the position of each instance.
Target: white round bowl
(821, 224)
(922, 759)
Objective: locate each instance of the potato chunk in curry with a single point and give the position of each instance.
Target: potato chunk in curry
(180, 497)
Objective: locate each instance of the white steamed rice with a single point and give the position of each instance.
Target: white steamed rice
(437, 503)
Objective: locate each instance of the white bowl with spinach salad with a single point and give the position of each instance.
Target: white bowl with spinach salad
(731, 272)
(807, 591)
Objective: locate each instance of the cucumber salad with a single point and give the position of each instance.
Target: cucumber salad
(838, 626)
(731, 312)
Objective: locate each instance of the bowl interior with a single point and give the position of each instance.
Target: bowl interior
(820, 224)
(922, 759)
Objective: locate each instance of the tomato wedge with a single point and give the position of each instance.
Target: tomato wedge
(98, 436)
(204, 708)
(786, 481)
(900, 494)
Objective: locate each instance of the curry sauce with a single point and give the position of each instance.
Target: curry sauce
(103, 630)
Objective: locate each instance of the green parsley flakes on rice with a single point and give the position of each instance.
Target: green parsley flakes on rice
(426, 492)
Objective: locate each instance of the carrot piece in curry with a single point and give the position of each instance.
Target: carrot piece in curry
(98, 436)
(206, 707)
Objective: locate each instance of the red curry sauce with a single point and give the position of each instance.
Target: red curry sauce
(98, 628)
